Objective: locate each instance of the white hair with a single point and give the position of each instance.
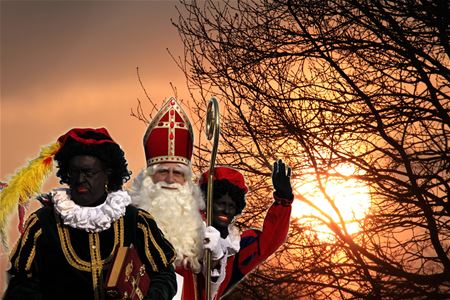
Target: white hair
(170, 207)
(187, 171)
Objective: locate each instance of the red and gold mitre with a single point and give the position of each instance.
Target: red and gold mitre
(169, 137)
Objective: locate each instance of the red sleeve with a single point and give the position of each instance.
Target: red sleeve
(264, 243)
(257, 246)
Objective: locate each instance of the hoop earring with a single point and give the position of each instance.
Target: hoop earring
(106, 188)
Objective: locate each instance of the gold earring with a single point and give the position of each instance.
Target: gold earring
(106, 188)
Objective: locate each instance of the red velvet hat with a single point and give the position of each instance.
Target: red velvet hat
(78, 134)
(29, 179)
(230, 174)
(169, 137)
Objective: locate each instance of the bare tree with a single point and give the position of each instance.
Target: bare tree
(324, 83)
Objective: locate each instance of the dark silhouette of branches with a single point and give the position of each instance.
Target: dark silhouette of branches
(322, 84)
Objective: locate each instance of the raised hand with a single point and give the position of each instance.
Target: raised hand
(281, 180)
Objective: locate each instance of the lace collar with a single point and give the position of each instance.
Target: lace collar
(90, 219)
(232, 242)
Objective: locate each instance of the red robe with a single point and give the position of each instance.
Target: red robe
(190, 290)
(194, 284)
(256, 245)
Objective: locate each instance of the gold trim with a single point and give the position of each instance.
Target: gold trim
(33, 250)
(161, 252)
(27, 228)
(171, 104)
(121, 229)
(168, 158)
(69, 252)
(97, 264)
(146, 214)
(147, 253)
(29, 224)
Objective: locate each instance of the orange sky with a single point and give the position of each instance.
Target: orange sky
(73, 64)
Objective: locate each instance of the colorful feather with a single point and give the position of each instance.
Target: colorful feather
(24, 184)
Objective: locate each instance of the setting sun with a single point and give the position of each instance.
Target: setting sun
(343, 199)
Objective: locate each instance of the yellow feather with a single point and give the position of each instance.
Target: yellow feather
(25, 183)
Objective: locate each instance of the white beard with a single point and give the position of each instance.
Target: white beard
(177, 213)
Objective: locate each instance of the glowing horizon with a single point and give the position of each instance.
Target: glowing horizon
(349, 195)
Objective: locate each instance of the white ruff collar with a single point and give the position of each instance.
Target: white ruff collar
(232, 242)
(90, 219)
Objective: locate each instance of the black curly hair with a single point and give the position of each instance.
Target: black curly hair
(223, 187)
(109, 154)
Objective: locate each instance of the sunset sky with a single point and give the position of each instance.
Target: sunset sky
(68, 64)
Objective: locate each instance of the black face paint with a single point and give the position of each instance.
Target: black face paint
(87, 180)
(224, 211)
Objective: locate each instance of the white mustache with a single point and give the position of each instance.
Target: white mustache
(174, 186)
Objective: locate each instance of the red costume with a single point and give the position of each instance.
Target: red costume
(169, 139)
(255, 245)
